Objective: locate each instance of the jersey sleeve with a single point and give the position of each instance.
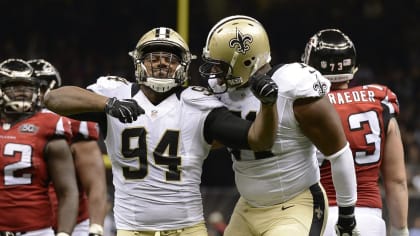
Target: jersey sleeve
(84, 130)
(386, 97)
(60, 128)
(111, 86)
(200, 98)
(298, 80)
(391, 101)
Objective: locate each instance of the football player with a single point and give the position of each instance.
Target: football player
(90, 168)
(280, 189)
(157, 157)
(34, 151)
(368, 116)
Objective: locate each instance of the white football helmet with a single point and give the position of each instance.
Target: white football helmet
(19, 89)
(236, 47)
(155, 55)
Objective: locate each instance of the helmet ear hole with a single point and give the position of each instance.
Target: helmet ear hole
(247, 62)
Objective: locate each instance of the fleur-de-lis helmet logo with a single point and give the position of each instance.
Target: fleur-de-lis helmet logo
(241, 42)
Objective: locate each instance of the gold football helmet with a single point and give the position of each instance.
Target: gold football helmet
(236, 47)
(161, 59)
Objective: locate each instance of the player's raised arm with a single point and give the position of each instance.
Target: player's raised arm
(69, 100)
(262, 133)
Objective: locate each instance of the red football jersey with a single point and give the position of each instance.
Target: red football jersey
(81, 130)
(365, 112)
(24, 200)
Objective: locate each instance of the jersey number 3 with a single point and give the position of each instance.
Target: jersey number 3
(373, 138)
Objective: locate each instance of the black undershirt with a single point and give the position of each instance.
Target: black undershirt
(220, 125)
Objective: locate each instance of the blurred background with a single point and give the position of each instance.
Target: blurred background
(87, 39)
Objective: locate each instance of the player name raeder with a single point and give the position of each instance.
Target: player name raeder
(352, 96)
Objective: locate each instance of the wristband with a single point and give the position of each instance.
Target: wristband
(95, 229)
(346, 211)
(399, 232)
(109, 103)
(62, 234)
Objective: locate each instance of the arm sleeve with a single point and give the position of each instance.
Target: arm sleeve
(227, 128)
(344, 176)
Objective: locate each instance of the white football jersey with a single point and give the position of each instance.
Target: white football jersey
(157, 160)
(269, 178)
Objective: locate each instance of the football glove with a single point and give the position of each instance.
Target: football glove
(264, 88)
(346, 224)
(126, 110)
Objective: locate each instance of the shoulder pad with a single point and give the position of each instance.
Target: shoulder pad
(111, 81)
(298, 80)
(200, 98)
(45, 110)
(108, 85)
(386, 96)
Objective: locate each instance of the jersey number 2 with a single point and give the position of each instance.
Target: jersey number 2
(10, 177)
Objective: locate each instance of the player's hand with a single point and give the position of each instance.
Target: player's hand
(346, 225)
(264, 88)
(126, 110)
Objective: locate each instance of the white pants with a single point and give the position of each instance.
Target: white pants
(369, 221)
(81, 229)
(41, 232)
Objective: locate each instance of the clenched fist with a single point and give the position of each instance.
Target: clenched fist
(126, 110)
(264, 88)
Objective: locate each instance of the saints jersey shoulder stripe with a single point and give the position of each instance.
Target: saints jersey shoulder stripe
(112, 86)
(298, 80)
(200, 98)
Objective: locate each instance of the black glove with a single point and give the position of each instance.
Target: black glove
(346, 224)
(125, 110)
(264, 88)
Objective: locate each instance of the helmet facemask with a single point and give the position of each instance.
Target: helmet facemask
(161, 71)
(20, 96)
(161, 60)
(19, 90)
